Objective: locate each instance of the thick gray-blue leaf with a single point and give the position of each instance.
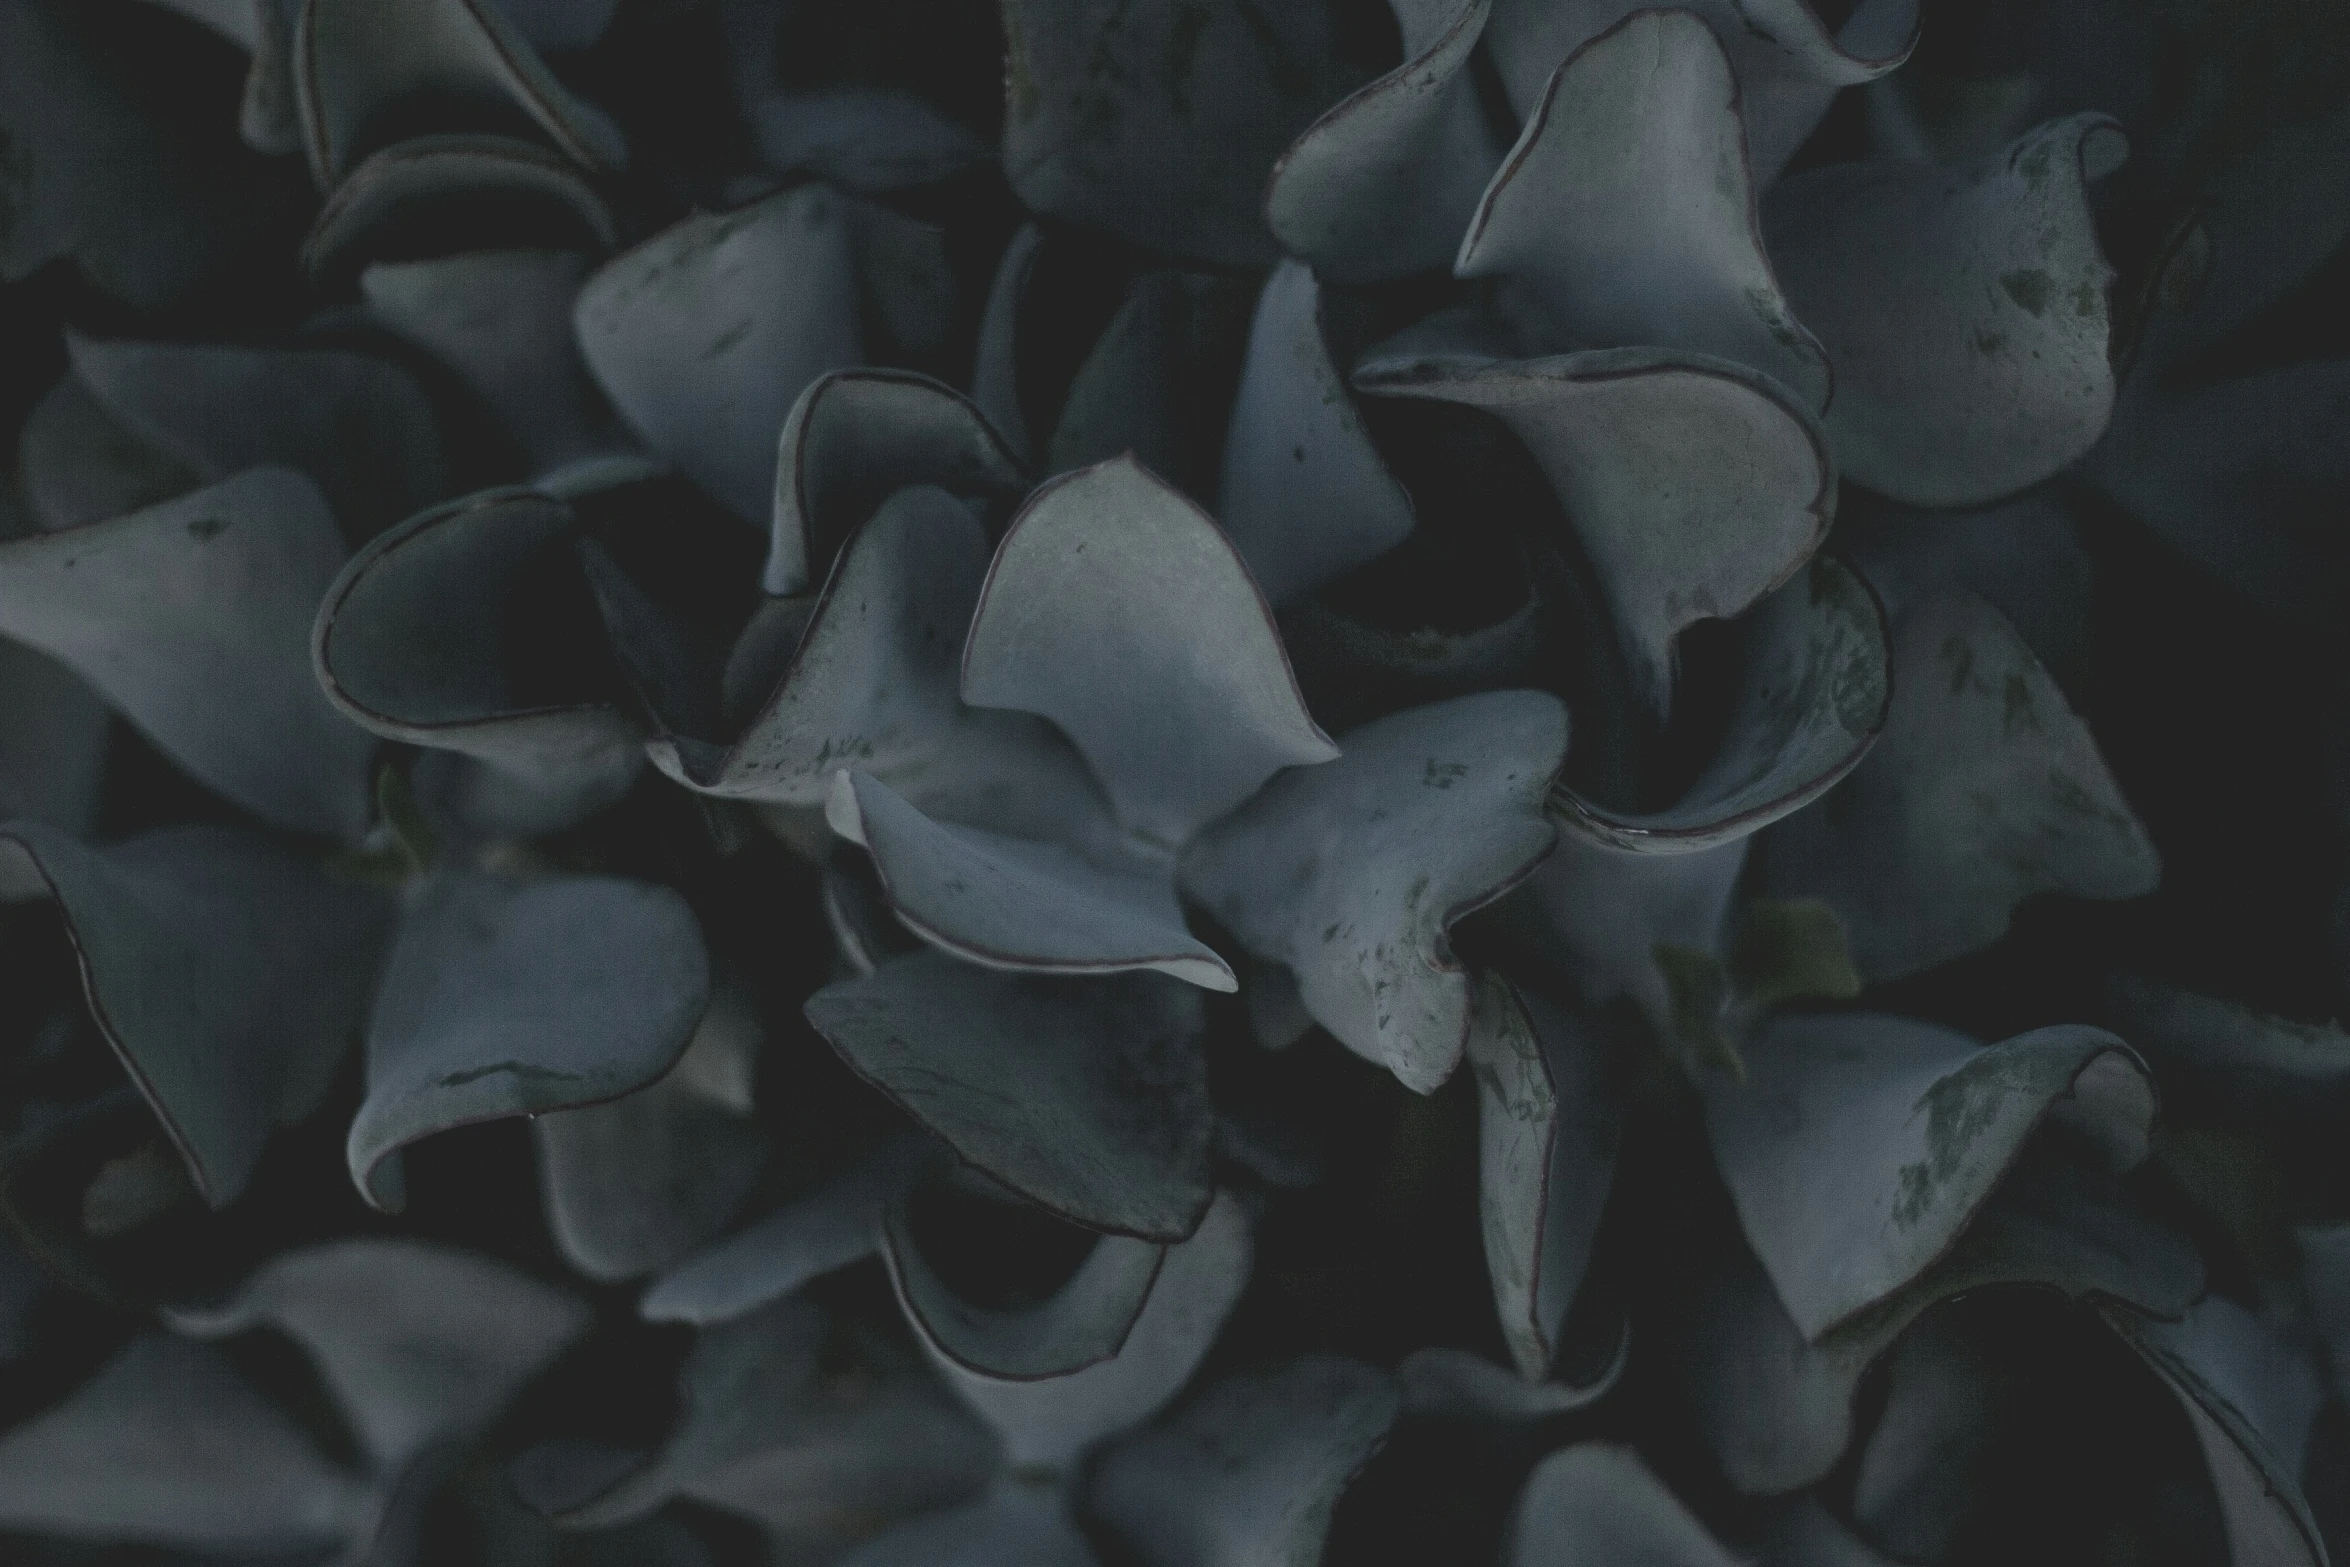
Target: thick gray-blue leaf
(1022, 1521)
(192, 618)
(52, 747)
(1625, 214)
(2325, 1274)
(1460, 1384)
(77, 463)
(559, 24)
(995, 366)
(2179, 1028)
(1156, 385)
(228, 974)
(1352, 873)
(1801, 1532)
(1089, 1098)
(706, 334)
(2259, 1364)
(1247, 1472)
(1598, 1505)
(507, 997)
(1963, 310)
(863, 139)
(1955, 1397)
(417, 1343)
(422, 180)
(1305, 497)
(1984, 789)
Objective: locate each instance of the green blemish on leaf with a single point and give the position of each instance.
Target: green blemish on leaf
(1443, 775)
(2016, 705)
(1697, 995)
(1790, 949)
(1959, 1108)
(522, 1070)
(1960, 656)
(204, 529)
(1988, 344)
(727, 339)
(1183, 35)
(2029, 288)
(2088, 299)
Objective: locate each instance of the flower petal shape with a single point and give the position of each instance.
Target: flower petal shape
(1984, 789)
(1049, 1423)
(1460, 1384)
(1157, 384)
(1109, 585)
(418, 1343)
(1548, 1127)
(1087, 1097)
(1247, 1472)
(500, 321)
(77, 463)
(853, 439)
(1963, 310)
(1020, 1522)
(1305, 497)
(1384, 183)
(1815, 688)
(192, 618)
(1158, 121)
(635, 1184)
(506, 998)
(1020, 903)
(412, 642)
(706, 334)
(357, 425)
(427, 183)
(226, 973)
(1860, 1145)
(1596, 1503)
(1695, 486)
(1625, 214)
(1352, 873)
(357, 64)
(1789, 65)
(169, 1445)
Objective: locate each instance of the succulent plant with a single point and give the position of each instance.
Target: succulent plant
(1180, 782)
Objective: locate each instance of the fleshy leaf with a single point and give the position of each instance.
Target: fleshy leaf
(1859, 1145)
(1384, 183)
(506, 998)
(1695, 486)
(1247, 1472)
(227, 974)
(417, 1343)
(78, 463)
(705, 335)
(1305, 496)
(192, 618)
(1088, 1097)
(1020, 1522)
(2204, 1033)
(995, 368)
(1050, 1423)
(560, 24)
(863, 139)
(52, 748)
(1352, 873)
(1962, 308)
(1594, 1504)
(1625, 214)
(1801, 1532)
(427, 184)
(1157, 384)
(1548, 1126)
(1111, 590)
(1460, 1384)
(1984, 789)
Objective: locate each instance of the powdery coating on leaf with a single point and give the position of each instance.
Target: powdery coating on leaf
(1352, 873)
(1548, 1126)
(192, 618)
(1384, 183)
(168, 1445)
(418, 1343)
(1247, 1472)
(706, 334)
(1859, 1146)
(416, 181)
(1695, 486)
(1116, 609)
(227, 974)
(1088, 1097)
(1305, 497)
(1963, 310)
(1597, 1505)
(1984, 789)
(1625, 214)
(510, 998)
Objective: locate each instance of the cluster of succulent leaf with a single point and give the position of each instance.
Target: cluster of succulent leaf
(1182, 782)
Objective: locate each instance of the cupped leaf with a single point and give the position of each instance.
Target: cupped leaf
(1352, 873)
(1801, 1532)
(1695, 486)
(78, 463)
(426, 186)
(1594, 1504)
(706, 334)
(863, 139)
(1081, 620)
(1384, 183)
(415, 642)
(192, 618)
(418, 1343)
(1087, 1097)
(1049, 1423)
(358, 66)
(1984, 789)
(995, 366)
(1247, 1472)
(1020, 1522)
(1625, 214)
(2176, 1027)
(1962, 308)
(1159, 121)
(227, 974)
(1157, 384)
(506, 997)
(1305, 497)
(168, 1445)
(52, 748)
(1460, 1384)
(853, 439)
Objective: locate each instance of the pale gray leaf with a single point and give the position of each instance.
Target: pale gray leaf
(418, 183)
(1953, 1400)
(1157, 384)
(1460, 1384)
(1597, 1505)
